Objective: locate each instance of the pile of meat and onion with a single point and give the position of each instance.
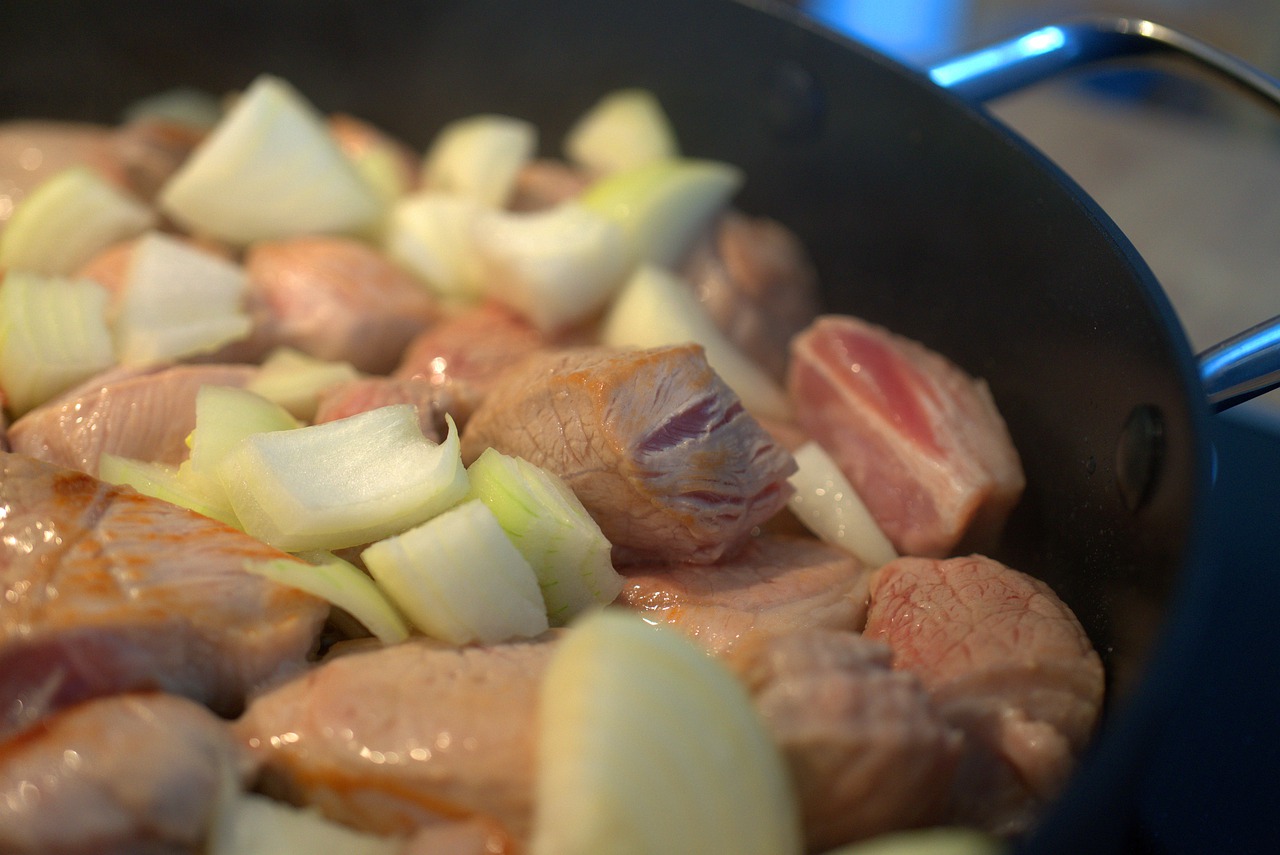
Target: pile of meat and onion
(364, 499)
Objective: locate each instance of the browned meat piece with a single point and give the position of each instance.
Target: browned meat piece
(655, 445)
(335, 298)
(431, 401)
(921, 441)
(449, 736)
(1006, 661)
(773, 586)
(108, 591)
(756, 280)
(867, 750)
(545, 183)
(468, 353)
(145, 414)
(128, 774)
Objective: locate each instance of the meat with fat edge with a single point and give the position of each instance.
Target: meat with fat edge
(107, 591)
(659, 450)
(920, 440)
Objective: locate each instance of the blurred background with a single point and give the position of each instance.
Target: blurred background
(1189, 169)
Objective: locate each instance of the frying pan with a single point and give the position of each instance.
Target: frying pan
(921, 211)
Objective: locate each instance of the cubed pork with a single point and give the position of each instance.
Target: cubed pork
(107, 591)
(467, 353)
(335, 298)
(140, 413)
(126, 775)
(543, 183)
(774, 586)
(391, 738)
(866, 748)
(758, 284)
(1006, 661)
(921, 441)
(658, 449)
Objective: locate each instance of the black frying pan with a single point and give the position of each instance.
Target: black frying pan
(922, 213)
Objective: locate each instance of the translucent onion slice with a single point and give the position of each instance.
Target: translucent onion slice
(552, 530)
(270, 169)
(624, 129)
(479, 157)
(555, 267)
(342, 483)
(342, 584)
(166, 482)
(655, 307)
(296, 380)
(827, 504)
(53, 335)
(664, 206)
(178, 301)
(250, 824)
(459, 578)
(67, 220)
(928, 841)
(646, 744)
(430, 234)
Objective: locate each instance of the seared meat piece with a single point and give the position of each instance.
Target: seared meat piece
(391, 738)
(431, 401)
(466, 354)
(867, 750)
(335, 298)
(545, 183)
(758, 284)
(128, 774)
(358, 139)
(774, 586)
(655, 445)
(1006, 661)
(141, 413)
(150, 150)
(921, 441)
(108, 591)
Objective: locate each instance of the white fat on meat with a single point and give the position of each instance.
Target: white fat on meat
(920, 441)
(1006, 661)
(657, 448)
(140, 413)
(108, 591)
(774, 586)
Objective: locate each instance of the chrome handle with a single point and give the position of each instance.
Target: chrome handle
(1243, 366)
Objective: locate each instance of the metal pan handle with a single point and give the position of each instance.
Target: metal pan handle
(1243, 366)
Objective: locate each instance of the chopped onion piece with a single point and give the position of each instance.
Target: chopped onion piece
(646, 744)
(552, 530)
(458, 578)
(251, 824)
(555, 267)
(479, 157)
(624, 129)
(430, 234)
(67, 220)
(827, 504)
(296, 380)
(164, 481)
(342, 483)
(664, 206)
(53, 335)
(342, 584)
(270, 169)
(655, 307)
(178, 301)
